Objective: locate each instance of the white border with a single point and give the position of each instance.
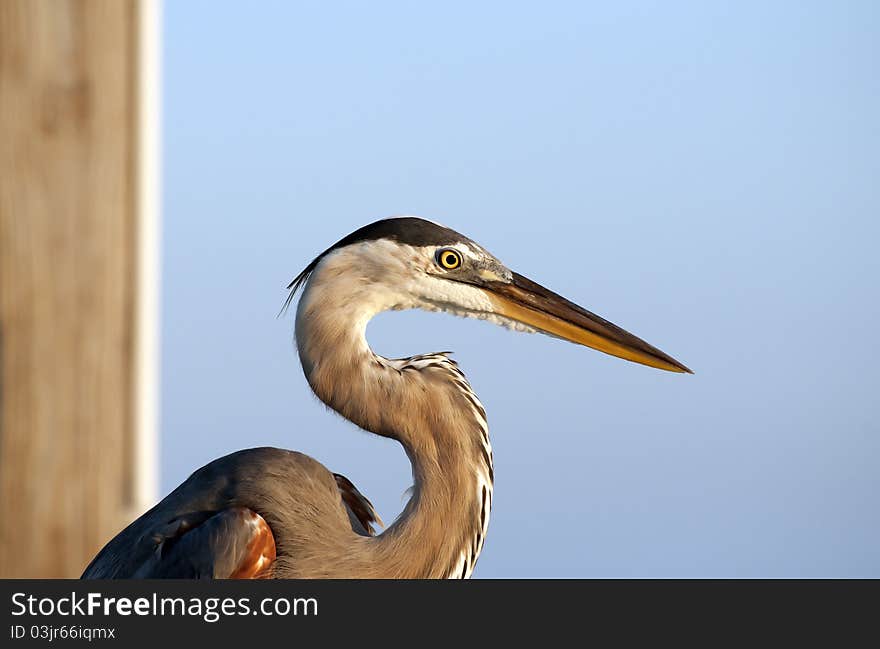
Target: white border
(146, 424)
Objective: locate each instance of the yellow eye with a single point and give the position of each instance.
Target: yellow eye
(448, 258)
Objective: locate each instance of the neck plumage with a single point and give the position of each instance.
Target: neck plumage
(426, 404)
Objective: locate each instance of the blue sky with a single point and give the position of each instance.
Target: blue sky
(703, 174)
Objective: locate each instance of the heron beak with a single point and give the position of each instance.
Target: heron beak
(531, 304)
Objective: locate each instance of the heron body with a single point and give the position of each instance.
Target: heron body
(275, 513)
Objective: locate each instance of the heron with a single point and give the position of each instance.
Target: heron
(275, 513)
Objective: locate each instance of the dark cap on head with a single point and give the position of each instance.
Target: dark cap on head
(410, 230)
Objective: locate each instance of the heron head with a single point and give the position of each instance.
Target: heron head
(408, 262)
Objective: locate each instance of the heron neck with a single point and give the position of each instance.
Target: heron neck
(441, 531)
(427, 405)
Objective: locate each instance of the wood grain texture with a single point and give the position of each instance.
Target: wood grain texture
(67, 280)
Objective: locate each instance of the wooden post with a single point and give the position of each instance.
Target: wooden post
(77, 290)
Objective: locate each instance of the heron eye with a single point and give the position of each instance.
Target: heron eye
(448, 258)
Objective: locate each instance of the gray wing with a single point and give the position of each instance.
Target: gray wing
(234, 543)
(213, 524)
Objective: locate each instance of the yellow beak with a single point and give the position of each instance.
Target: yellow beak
(531, 304)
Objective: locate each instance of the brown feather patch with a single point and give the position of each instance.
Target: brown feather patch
(358, 504)
(257, 562)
